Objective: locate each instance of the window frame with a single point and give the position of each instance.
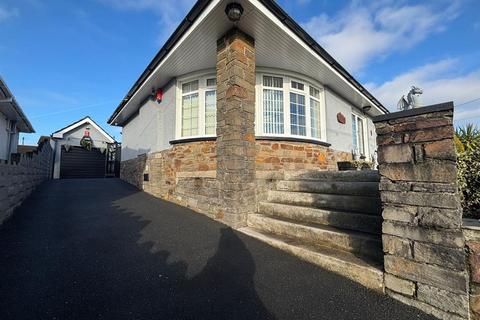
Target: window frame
(364, 134)
(202, 89)
(287, 89)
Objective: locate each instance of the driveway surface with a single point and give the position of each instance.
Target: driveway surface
(100, 249)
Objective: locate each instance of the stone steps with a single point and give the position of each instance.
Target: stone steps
(339, 219)
(360, 243)
(336, 176)
(330, 187)
(360, 204)
(363, 271)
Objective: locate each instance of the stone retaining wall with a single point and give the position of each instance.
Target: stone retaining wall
(186, 174)
(422, 230)
(19, 178)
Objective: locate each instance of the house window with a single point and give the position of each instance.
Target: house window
(358, 135)
(273, 121)
(198, 107)
(290, 107)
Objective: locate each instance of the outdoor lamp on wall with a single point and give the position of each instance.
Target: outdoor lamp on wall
(234, 11)
(366, 109)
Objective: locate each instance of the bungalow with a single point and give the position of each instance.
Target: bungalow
(12, 122)
(240, 94)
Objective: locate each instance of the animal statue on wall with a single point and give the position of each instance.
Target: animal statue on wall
(412, 100)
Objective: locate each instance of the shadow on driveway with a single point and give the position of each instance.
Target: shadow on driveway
(100, 249)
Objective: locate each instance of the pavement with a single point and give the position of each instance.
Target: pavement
(101, 249)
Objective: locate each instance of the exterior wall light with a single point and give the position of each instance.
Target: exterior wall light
(366, 109)
(234, 11)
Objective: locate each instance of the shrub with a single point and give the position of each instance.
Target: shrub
(468, 165)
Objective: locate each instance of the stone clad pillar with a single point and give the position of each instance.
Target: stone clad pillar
(235, 126)
(422, 230)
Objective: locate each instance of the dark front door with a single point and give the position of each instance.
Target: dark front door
(78, 162)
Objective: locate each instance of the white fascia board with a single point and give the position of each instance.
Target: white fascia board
(202, 17)
(280, 24)
(59, 135)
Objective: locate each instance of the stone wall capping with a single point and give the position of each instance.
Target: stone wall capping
(189, 140)
(446, 106)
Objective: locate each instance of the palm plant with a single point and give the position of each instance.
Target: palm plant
(467, 138)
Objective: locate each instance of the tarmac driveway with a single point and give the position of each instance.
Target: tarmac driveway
(101, 249)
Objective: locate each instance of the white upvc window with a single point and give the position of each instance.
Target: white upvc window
(288, 105)
(196, 107)
(358, 135)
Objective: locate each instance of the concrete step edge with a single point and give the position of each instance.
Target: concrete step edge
(319, 235)
(358, 204)
(362, 272)
(353, 176)
(335, 218)
(368, 189)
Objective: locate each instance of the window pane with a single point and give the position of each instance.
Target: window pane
(298, 85)
(274, 82)
(272, 111)
(360, 136)
(315, 118)
(210, 112)
(190, 115)
(354, 134)
(190, 86)
(314, 92)
(297, 114)
(211, 82)
(357, 133)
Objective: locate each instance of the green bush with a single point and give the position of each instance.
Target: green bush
(468, 165)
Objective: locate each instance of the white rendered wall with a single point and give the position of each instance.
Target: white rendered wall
(152, 128)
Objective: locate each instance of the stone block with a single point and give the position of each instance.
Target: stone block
(427, 274)
(452, 258)
(398, 153)
(436, 312)
(400, 213)
(474, 260)
(438, 200)
(448, 238)
(443, 149)
(443, 299)
(402, 286)
(397, 246)
(439, 218)
(428, 171)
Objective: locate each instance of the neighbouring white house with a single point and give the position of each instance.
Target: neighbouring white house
(83, 149)
(12, 122)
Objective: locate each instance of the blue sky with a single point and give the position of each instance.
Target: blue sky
(67, 59)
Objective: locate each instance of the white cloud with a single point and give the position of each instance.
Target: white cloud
(170, 12)
(8, 13)
(360, 33)
(440, 83)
